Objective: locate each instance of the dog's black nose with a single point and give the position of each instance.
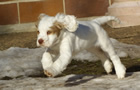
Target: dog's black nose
(40, 41)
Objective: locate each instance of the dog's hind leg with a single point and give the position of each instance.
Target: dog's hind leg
(119, 67)
(103, 57)
(107, 47)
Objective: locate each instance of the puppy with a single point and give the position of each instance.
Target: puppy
(64, 36)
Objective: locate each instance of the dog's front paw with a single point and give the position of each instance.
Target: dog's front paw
(48, 73)
(51, 72)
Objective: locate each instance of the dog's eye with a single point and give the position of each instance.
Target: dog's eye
(38, 32)
(49, 32)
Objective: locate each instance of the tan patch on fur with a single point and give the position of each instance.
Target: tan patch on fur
(36, 25)
(56, 28)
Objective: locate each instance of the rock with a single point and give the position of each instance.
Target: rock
(124, 50)
(74, 82)
(128, 11)
(17, 62)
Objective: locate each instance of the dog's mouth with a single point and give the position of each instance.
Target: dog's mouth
(47, 44)
(42, 45)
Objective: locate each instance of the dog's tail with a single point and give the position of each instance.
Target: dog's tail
(104, 19)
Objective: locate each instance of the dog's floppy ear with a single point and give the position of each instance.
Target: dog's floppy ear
(69, 21)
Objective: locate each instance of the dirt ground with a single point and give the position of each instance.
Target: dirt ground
(129, 35)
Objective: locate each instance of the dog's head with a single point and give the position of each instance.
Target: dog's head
(51, 28)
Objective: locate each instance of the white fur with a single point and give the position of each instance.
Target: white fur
(77, 36)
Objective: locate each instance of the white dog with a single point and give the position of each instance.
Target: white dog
(64, 36)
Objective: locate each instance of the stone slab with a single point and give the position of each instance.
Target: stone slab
(127, 12)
